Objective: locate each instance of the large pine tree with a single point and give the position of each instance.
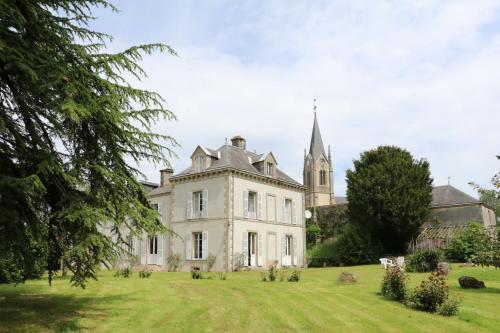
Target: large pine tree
(71, 129)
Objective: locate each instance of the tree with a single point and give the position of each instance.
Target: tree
(472, 244)
(70, 128)
(389, 195)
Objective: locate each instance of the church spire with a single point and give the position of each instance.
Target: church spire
(316, 148)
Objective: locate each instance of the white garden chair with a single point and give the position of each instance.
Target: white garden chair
(400, 261)
(386, 262)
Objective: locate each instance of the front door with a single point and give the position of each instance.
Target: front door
(252, 249)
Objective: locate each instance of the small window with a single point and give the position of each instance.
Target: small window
(197, 245)
(153, 245)
(252, 204)
(199, 162)
(199, 205)
(270, 169)
(322, 177)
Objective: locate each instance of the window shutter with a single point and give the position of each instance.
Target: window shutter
(295, 263)
(188, 246)
(283, 250)
(260, 207)
(189, 206)
(294, 213)
(204, 245)
(260, 250)
(159, 256)
(204, 213)
(143, 249)
(245, 204)
(245, 247)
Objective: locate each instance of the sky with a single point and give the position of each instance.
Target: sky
(422, 75)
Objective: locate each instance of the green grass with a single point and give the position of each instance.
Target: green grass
(171, 302)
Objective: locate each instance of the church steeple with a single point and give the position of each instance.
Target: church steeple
(316, 148)
(318, 171)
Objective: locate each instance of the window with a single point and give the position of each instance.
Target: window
(288, 210)
(288, 245)
(252, 204)
(199, 162)
(199, 204)
(197, 245)
(322, 177)
(153, 245)
(270, 169)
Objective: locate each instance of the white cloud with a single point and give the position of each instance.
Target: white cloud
(421, 75)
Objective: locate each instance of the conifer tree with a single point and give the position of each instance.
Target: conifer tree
(71, 131)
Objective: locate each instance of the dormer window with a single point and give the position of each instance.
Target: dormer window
(269, 169)
(199, 163)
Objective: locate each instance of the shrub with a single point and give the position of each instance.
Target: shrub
(211, 261)
(470, 245)
(430, 295)
(322, 255)
(239, 261)
(273, 273)
(294, 276)
(423, 261)
(145, 273)
(174, 262)
(283, 276)
(124, 272)
(394, 284)
(263, 276)
(222, 276)
(196, 274)
(449, 307)
(313, 233)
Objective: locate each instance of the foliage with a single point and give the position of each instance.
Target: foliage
(350, 248)
(125, 272)
(145, 273)
(470, 245)
(71, 129)
(174, 262)
(273, 273)
(389, 195)
(449, 307)
(331, 220)
(313, 233)
(423, 261)
(283, 275)
(196, 274)
(15, 270)
(211, 261)
(239, 261)
(222, 276)
(430, 295)
(294, 276)
(394, 284)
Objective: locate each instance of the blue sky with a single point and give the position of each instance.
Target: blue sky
(423, 75)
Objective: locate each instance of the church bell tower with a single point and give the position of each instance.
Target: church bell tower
(318, 171)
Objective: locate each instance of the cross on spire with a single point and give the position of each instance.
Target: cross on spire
(314, 105)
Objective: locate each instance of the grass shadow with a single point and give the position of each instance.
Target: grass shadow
(31, 312)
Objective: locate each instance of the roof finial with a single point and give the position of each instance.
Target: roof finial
(226, 141)
(314, 105)
(449, 180)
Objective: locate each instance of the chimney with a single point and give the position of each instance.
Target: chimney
(165, 175)
(239, 142)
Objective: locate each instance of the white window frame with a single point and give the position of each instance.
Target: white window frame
(152, 245)
(197, 245)
(269, 168)
(198, 204)
(252, 201)
(199, 163)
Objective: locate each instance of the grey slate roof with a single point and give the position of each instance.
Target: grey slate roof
(316, 148)
(235, 157)
(447, 195)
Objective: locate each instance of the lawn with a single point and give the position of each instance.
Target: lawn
(173, 302)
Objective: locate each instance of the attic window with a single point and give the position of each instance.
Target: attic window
(198, 163)
(269, 169)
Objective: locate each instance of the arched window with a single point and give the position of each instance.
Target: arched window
(322, 177)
